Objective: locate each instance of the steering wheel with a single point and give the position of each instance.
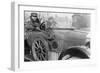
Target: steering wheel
(43, 26)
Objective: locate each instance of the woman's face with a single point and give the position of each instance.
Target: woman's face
(34, 18)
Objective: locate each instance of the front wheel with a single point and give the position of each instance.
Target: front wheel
(40, 49)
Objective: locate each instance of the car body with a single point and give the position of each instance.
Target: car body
(56, 40)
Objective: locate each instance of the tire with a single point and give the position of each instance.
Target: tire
(39, 47)
(73, 52)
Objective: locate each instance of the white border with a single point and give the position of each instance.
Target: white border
(18, 45)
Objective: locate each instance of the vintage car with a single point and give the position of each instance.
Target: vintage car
(67, 43)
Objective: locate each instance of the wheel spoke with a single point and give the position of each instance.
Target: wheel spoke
(40, 57)
(42, 45)
(39, 42)
(36, 45)
(44, 51)
(43, 57)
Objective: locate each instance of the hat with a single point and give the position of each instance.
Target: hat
(34, 14)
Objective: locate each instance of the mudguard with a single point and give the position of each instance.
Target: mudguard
(76, 51)
(37, 36)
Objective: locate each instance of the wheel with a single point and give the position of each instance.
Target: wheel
(74, 53)
(43, 26)
(40, 49)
